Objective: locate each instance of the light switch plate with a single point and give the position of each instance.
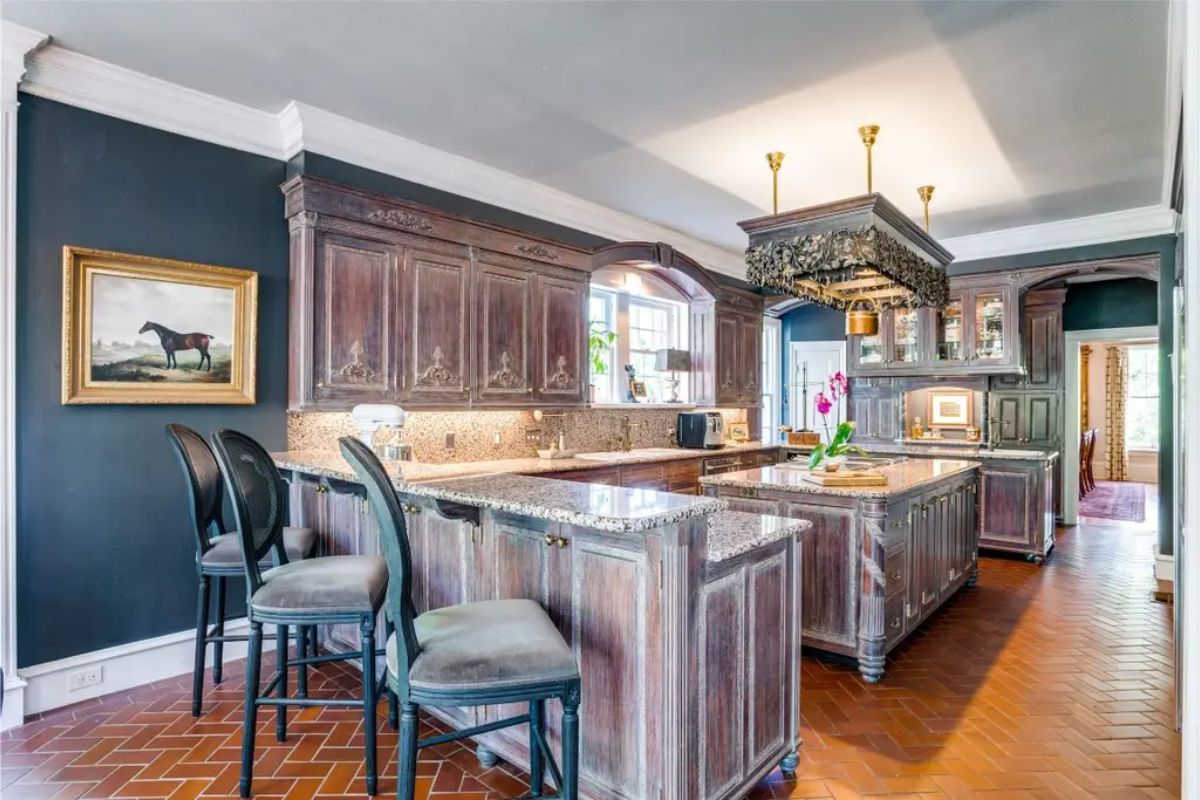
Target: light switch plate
(449, 440)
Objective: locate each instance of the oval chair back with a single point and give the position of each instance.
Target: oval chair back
(204, 484)
(259, 496)
(393, 536)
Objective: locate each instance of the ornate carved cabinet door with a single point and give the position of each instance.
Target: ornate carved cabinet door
(354, 356)
(504, 302)
(561, 347)
(750, 359)
(729, 372)
(436, 340)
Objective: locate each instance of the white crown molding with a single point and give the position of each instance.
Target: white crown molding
(18, 42)
(1116, 226)
(319, 131)
(79, 80)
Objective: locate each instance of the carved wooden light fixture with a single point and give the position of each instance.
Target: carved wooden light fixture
(860, 255)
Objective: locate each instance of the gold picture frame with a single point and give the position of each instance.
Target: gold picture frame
(214, 308)
(739, 431)
(950, 408)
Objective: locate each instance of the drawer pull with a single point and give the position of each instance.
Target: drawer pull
(896, 575)
(409, 508)
(561, 542)
(549, 539)
(895, 623)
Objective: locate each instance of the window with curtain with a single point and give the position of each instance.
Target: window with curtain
(1141, 398)
(644, 325)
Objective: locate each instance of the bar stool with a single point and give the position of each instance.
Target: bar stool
(328, 590)
(219, 555)
(473, 654)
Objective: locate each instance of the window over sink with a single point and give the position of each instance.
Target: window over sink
(647, 315)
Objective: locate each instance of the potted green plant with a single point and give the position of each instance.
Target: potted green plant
(600, 342)
(831, 454)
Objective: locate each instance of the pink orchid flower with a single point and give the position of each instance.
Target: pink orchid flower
(824, 404)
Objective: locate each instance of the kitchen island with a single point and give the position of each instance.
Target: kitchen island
(878, 560)
(683, 615)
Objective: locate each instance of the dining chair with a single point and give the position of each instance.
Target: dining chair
(472, 654)
(328, 590)
(219, 556)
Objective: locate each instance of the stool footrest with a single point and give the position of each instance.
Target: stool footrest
(463, 734)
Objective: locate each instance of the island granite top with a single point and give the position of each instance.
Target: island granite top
(607, 508)
(902, 476)
(948, 448)
(330, 464)
(732, 533)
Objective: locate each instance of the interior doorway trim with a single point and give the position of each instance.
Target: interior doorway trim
(1071, 431)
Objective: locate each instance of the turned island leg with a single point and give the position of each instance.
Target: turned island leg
(789, 764)
(873, 583)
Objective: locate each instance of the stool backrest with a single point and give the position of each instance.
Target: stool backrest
(393, 535)
(204, 483)
(260, 500)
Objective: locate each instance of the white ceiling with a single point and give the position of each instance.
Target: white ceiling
(1019, 113)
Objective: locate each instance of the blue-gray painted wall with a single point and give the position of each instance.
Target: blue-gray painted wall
(809, 323)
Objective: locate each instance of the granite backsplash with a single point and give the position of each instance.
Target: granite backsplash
(587, 430)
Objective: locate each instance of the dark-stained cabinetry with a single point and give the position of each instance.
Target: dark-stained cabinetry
(739, 357)
(394, 302)
(1017, 509)
(876, 405)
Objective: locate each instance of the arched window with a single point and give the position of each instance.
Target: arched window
(647, 314)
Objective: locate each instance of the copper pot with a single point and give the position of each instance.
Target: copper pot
(863, 320)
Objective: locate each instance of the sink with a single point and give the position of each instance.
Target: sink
(621, 456)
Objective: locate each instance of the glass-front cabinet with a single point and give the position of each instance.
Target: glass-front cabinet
(977, 331)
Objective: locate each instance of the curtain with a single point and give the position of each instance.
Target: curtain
(1116, 367)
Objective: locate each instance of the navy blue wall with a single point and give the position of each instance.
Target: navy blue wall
(104, 549)
(809, 323)
(1124, 303)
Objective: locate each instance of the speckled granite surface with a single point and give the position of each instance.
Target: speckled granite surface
(902, 477)
(606, 508)
(329, 463)
(950, 449)
(732, 533)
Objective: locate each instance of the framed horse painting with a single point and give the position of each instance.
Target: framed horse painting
(139, 329)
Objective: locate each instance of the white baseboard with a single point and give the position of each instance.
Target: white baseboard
(1164, 567)
(14, 703)
(123, 667)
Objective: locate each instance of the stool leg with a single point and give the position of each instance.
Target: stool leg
(302, 638)
(201, 644)
(537, 770)
(250, 720)
(393, 701)
(406, 754)
(570, 745)
(368, 687)
(219, 646)
(281, 659)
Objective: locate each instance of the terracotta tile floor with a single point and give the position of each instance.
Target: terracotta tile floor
(1052, 682)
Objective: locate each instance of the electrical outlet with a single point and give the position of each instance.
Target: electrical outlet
(496, 438)
(449, 440)
(85, 678)
(533, 436)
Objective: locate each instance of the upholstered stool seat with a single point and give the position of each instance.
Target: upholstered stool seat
(226, 549)
(489, 645)
(323, 586)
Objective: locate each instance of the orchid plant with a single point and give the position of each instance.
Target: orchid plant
(837, 440)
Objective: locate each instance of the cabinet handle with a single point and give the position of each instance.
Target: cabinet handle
(895, 623)
(895, 523)
(549, 539)
(320, 384)
(322, 488)
(896, 575)
(925, 597)
(409, 508)
(561, 542)
(530, 390)
(908, 610)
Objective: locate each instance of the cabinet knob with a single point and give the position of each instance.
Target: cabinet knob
(896, 575)
(895, 623)
(561, 542)
(549, 539)
(409, 508)
(320, 384)
(529, 390)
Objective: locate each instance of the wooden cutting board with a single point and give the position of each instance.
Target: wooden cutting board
(845, 478)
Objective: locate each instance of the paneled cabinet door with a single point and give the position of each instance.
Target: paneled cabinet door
(1005, 420)
(728, 371)
(504, 303)
(562, 311)
(750, 359)
(1042, 342)
(354, 357)
(1040, 424)
(1008, 508)
(437, 346)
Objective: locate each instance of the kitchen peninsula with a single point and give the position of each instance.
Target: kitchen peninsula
(683, 614)
(879, 560)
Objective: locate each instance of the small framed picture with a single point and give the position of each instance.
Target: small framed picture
(638, 389)
(140, 329)
(950, 409)
(739, 431)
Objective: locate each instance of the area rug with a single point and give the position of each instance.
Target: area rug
(1115, 500)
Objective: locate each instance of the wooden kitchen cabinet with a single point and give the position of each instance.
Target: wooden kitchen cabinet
(504, 342)
(739, 358)
(1016, 510)
(392, 301)
(875, 406)
(350, 335)
(437, 330)
(750, 359)
(1025, 420)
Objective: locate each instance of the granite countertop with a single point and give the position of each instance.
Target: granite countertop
(902, 477)
(606, 508)
(330, 464)
(948, 448)
(732, 533)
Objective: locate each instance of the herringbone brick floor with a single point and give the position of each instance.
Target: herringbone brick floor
(1050, 682)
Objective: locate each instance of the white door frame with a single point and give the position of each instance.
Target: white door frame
(1071, 431)
(794, 396)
